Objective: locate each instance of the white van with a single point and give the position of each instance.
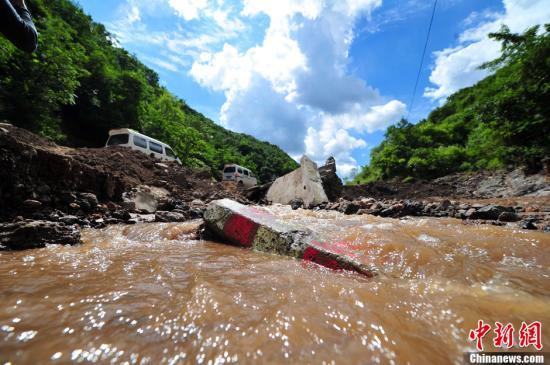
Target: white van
(240, 175)
(129, 138)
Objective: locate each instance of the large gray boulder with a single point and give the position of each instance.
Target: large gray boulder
(303, 183)
(257, 228)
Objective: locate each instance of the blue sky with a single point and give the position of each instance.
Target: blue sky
(322, 77)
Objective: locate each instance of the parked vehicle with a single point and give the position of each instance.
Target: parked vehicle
(129, 138)
(240, 175)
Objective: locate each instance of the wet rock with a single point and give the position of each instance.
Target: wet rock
(161, 216)
(469, 213)
(528, 224)
(303, 183)
(121, 214)
(366, 203)
(89, 198)
(508, 217)
(445, 204)
(399, 210)
(197, 203)
(43, 189)
(296, 204)
(112, 220)
(196, 213)
(332, 184)
(490, 212)
(349, 207)
(99, 223)
(69, 219)
(33, 234)
(45, 199)
(31, 205)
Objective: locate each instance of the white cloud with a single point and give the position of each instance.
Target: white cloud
(294, 89)
(188, 9)
(333, 138)
(458, 67)
(163, 64)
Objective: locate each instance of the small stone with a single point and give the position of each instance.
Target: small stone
(349, 208)
(527, 224)
(43, 189)
(74, 206)
(90, 199)
(196, 213)
(469, 213)
(197, 203)
(32, 205)
(508, 217)
(161, 165)
(121, 214)
(296, 204)
(69, 219)
(46, 199)
(162, 216)
(112, 206)
(445, 204)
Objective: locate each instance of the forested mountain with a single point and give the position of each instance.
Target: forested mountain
(503, 120)
(78, 85)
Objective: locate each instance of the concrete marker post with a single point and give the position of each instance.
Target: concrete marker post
(255, 228)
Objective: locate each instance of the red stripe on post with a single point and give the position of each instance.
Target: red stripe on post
(320, 258)
(240, 230)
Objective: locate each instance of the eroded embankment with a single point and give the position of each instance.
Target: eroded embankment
(48, 190)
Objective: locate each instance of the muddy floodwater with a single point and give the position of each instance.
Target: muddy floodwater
(149, 294)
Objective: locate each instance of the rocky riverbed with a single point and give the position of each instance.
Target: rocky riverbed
(49, 192)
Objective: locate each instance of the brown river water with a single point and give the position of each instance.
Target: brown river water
(150, 294)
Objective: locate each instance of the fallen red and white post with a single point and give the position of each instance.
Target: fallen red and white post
(256, 228)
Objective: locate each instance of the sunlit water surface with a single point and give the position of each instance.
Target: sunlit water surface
(149, 294)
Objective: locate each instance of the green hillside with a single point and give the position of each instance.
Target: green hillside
(79, 85)
(502, 121)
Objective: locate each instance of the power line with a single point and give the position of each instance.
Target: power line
(422, 60)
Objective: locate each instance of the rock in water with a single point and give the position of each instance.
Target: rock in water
(490, 212)
(303, 183)
(296, 204)
(33, 234)
(256, 228)
(331, 182)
